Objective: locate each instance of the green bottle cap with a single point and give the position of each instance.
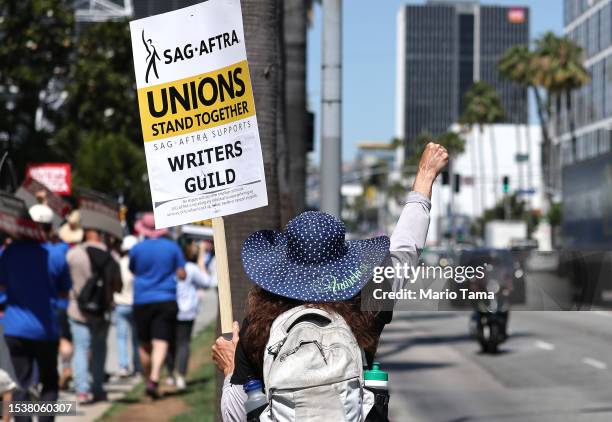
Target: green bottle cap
(375, 374)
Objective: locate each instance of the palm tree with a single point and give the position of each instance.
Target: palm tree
(553, 70)
(483, 106)
(515, 65)
(557, 67)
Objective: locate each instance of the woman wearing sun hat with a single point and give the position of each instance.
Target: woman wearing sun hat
(310, 262)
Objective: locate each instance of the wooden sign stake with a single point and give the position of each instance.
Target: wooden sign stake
(223, 278)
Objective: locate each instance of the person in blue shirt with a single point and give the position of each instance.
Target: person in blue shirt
(33, 274)
(157, 263)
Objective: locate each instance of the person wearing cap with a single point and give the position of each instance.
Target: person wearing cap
(89, 330)
(124, 301)
(310, 262)
(34, 274)
(157, 263)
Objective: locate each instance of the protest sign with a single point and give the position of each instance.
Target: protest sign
(99, 212)
(198, 122)
(27, 192)
(197, 113)
(55, 176)
(15, 220)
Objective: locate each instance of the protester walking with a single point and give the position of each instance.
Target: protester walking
(157, 263)
(188, 301)
(61, 311)
(34, 274)
(124, 300)
(96, 275)
(310, 273)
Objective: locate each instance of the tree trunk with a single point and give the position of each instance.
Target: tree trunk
(546, 141)
(572, 122)
(483, 187)
(295, 20)
(263, 37)
(494, 162)
(475, 195)
(519, 150)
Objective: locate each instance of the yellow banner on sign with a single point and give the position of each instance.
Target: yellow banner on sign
(196, 103)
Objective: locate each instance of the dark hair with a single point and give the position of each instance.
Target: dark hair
(263, 307)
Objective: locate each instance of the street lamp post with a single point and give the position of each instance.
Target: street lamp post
(331, 107)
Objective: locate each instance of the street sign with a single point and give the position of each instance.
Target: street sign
(198, 113)
(521, 158)
(529, 191)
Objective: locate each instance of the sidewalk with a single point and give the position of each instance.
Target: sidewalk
(116, 387)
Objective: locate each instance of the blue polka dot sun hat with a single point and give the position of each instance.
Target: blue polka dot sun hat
(311, 260)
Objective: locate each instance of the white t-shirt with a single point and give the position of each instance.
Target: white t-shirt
(187, 292)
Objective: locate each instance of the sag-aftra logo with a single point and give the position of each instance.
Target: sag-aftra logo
(186, 51)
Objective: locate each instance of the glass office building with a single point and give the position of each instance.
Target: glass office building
(443, 47)
(589, 24)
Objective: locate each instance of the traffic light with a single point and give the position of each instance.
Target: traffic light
(445, 177)
(506, 184)
(457, 186)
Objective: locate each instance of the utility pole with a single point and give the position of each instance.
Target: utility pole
(451, 202)
(331, 107)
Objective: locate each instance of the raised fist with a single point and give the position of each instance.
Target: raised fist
(433, 159)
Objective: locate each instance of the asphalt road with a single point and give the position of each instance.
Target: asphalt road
(556, 366)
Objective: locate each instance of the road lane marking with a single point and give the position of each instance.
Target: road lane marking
(603, 313)
(545, 346)
(594, 363)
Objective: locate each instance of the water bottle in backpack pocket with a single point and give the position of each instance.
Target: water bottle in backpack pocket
(256, 400)
(377, 382)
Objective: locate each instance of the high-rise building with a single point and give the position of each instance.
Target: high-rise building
(588, 24)
(443, 47)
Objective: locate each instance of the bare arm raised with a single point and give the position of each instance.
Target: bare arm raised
(408, 237)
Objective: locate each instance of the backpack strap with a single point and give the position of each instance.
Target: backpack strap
(98, 268)
(299, 314)
(302, 313)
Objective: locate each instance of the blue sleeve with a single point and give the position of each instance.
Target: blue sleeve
(3, 270)
(132, 255)
(180, 258)
(64, 281)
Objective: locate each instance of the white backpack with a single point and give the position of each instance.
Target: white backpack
(313, 369)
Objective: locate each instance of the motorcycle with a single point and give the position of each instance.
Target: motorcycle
(490, 318)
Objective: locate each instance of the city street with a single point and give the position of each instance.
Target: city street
(555, 366)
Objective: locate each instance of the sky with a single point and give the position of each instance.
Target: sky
(368, 77)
